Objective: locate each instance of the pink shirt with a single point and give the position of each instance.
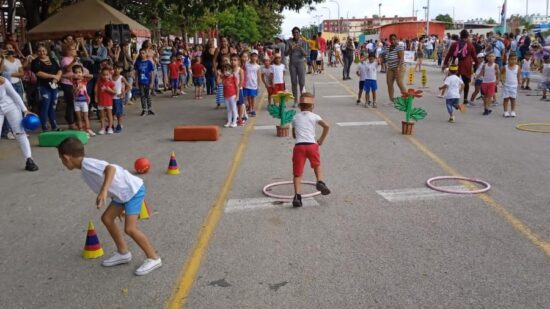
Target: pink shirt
(65, 61)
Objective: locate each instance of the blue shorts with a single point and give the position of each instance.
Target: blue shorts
(164, 68)
(250, 92)
(370, 85)
(198, 81)
(546, 85)
(174, 83)
(183, 79)
(118, 108)
(478, 82)
(361, 85)
(241, 98)
(133, 206)
(525, 74)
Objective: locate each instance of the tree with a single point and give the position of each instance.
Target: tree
(448, 20)
(490, 21)
(240, 24)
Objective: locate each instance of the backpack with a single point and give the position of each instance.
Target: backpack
(461, 50)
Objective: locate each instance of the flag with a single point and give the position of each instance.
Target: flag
(503, 17)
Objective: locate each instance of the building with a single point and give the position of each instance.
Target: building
(412, 29)
(357, 26)
(537, 19)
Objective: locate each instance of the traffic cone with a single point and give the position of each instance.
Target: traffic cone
(411, 76)
(173, 165)
(144, 212)
(424, 78)
(92, 247)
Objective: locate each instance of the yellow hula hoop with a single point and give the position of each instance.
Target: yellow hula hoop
(526, 127)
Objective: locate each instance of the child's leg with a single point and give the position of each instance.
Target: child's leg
(513, 103)
(252, 103)
(103, 116)
(108, 219)
(374, 96)
(130, 228)
(449, 104)
(526, 82)
(505, 104)
(79, 121)
(109, 113)
(232, 107)
(360, 94)
(86, 121)
(367, 97)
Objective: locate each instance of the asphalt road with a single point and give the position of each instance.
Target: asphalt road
(379, 240)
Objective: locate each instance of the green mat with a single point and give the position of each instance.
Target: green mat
(53, 139)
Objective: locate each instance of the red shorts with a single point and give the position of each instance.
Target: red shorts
(278, 88)
(488, 89)
(299, 156)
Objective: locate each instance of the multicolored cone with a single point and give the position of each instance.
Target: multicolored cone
(92, 248)
(144, 212)
(173, 166)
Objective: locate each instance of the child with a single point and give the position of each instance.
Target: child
(182, 73)
(278, 75)
(266, 79)
(306, 147)
(477, 79)
(199, 72)
(370, 80)
(243, 116)
(121, 88)
(362, 73)
(230, 86)
(104, 92)
(239, 75)
(545, 76)
(511, 78)
(126, 192)
(220, 99)
(174, 73)
(81, 98)
(453, 86)
(489, 72)
(250, 92)
(145, 80)
(526, 67)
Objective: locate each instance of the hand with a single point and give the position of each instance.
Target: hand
(151, 86)
(319, 142)
(100, 200)
(27, 112)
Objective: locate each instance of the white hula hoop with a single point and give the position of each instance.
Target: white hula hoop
(265, 190)
(487, 186)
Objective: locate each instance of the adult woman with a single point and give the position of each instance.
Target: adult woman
(394, 57)
(464, 54)
(337, 52)
(209, 62)
(439, 47)
(66, 84)
(419, 55)
(11, 107)
(348, 51)
(48, 74)
(297, 54)
(222, 51)
(13, 69)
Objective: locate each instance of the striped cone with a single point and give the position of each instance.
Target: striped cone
(92, 247)
(173, 166)
(144, 212)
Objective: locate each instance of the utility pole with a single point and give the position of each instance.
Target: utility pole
(428, 19)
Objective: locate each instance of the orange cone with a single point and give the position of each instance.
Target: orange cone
(144, 212)
(92, 247)
(173, 166)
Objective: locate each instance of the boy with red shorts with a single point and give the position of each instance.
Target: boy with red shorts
(306, 147)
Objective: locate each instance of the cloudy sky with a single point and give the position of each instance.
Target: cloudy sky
(464, 9)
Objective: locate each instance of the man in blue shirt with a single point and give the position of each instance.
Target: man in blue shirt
(145, 81)
(498, 49)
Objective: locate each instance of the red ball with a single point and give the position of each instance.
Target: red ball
(142, 165)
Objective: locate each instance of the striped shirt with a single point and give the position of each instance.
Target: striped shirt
(392, 56)
(166, 55)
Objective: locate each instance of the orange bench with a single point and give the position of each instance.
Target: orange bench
(196, 133)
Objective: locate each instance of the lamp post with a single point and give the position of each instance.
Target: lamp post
(327, 8)
(338, 4)
(428, 19)
(379, 14)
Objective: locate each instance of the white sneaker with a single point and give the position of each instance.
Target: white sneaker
(233, 125)
(148, 266)
(506, 114)
(10, 136)
(117, 259)
(227, 124)
(101, 132)
(110, 131)
(513, 114)
(90, 132)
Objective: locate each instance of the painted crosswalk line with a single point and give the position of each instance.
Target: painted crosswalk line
(362, 123)
(416, 194)
(268, 127)
(249, 204)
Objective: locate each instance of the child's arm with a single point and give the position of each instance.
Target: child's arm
(127, 86)
(293, 133)
(109, 173)
(443, 87)
(502, 75)
(519, 76)
(96, 92)
(325, 127)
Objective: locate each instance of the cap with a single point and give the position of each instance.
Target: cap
(481, 55)
(254, 52)
(280, 37)
(453, 68)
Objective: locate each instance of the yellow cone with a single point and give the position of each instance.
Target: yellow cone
(144, 212)
(92, 247)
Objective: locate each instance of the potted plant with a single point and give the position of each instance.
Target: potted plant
(278, 110)
(405, 104)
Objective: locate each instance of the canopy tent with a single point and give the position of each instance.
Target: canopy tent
(84, 18)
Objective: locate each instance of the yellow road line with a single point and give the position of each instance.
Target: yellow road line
(521, 227)
(192, 265)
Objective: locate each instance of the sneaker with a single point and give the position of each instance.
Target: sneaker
(148, 266)
(297, 201)
(118, 129)
(321, 186)
(245, 118)
(227, 124)
(513, 114)
(31, 166)
(10, 136)
(240, 123)
(506, 114)
(116, 259)
(374, 105)
(101, 132)
(440, 96)
(487, 112)
(252, 114)
(233, 125)
(527, 88)
(143, 112)
(110, 131)
(90, 132)
(358, 101)
(452, 119)
(150, 113)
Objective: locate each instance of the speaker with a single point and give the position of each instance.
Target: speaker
(125, 34)
(119, 33)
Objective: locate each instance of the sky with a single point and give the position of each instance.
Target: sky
(464, 9)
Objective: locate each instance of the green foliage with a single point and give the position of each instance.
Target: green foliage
(490, 21)
(287, 117)
(446, 19)
(240, 24)
(274, 111)
(418, 113)
(405, 105)
(400, 104)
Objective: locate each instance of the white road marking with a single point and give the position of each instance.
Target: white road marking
(325, 83)
(247, 204)
(339, 96)
(364, 123)
(403, 195)
(269, 127)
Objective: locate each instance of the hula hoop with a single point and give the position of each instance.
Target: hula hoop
(525, 127)
(486, 185)
(287, 197)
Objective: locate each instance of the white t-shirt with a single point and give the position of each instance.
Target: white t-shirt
(526, 65)
(511, 78)
(278, 72)
(10, 68)
(337, 47)
(371, 70)
(304, 124)
(267, 73)
(546, 72)
(124, 185)
(118, 87)
(362, 71)
(252, 75)
(453, 83)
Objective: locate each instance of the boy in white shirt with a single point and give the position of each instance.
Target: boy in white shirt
(250, 92)
(278, 75)
(306, 147)
(453, 86)
(127, 193)
(370, 81)
(266, 73)
(362, 73)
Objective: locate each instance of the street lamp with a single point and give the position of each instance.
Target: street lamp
(379, 14)
(326, 8)
(338, 4)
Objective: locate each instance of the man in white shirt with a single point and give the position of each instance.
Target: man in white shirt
(306, 147)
